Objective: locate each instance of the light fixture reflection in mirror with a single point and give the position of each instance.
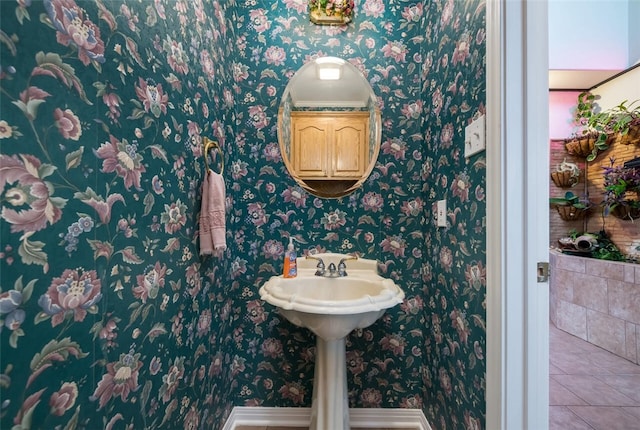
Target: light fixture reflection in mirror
(329, 127)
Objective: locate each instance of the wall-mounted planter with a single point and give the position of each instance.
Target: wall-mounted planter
(626, 212)
(571, 213)
(581, 146)
(632, 136)
(565, 179)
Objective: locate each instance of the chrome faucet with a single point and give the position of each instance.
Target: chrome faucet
(333, 272)
(320, 266)
(342, 267)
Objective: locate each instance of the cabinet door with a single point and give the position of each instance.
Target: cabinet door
(350, 147)
(310, 152)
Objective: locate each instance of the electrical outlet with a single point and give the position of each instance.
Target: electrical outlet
(474, 137)
(442, 213)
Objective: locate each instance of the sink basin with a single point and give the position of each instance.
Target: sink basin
(331, 307)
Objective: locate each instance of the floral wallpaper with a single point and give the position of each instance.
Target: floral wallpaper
(107, 308)
(110, 319)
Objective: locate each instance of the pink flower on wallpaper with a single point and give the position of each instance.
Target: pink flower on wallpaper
(76, 31)
(257, 214)
(446, 136)
(396, 147)
(437, 102)
(461, 52)
(204, 323)
(73, 293)
(446, 259)
(297, 5)
(255, 311)
(259, 20)
(275, 55)
(176, 56)
(374, 8)
(372, 202)
(240, 72)
(459, 322)
(258, 116)
(476, 275)
(412, 207)
(120, 380)
(68, 124)
(112, 101)
(271, 348)
(293, 391)
(295, 195)
(413, 13)
(174, 216)
(122, 157)
(394, 343)
(394, 244)
(152, 97)
(171, 379)
(334, 220)
(395, 50)
(150, 282)
(64, 399)
(460, 186)
(371, 398)
(445, 381)
(30, 195)
(412, 110)
(208, 66)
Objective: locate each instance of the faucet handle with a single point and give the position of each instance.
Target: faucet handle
(342, 267)
(320, 266)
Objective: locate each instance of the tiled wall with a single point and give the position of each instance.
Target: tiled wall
(598, 301)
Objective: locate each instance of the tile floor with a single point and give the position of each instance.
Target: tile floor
(590, 388)
(294, 428)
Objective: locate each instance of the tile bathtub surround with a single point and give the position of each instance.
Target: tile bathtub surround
(590, 388)
(598, 301)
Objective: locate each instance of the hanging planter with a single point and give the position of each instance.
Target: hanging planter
(571, 213)
(587, 145)
(570, 207)
(627, 211)
(566, 175)
(622, 192)
(632, 136)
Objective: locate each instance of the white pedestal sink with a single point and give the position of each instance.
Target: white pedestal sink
(331, 307)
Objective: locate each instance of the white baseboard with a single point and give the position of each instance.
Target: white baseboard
(300, 417)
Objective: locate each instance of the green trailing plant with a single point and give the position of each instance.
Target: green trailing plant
(604, 248)
(571, 199)
(586, 141)
(617, 120)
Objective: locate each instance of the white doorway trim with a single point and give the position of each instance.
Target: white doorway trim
(517, 215)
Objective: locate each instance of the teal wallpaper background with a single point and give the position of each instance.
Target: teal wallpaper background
(111, 319)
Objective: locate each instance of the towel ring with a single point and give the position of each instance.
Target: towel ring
(208, 145)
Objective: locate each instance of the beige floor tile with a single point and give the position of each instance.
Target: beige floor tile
(606, 418)
(561, 418)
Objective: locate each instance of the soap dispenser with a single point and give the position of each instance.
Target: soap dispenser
(290, 262)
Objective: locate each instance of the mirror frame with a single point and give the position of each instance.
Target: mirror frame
(322, 187)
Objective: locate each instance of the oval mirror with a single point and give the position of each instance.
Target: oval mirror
(329, 127)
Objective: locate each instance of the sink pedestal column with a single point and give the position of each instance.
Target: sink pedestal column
(330, 407)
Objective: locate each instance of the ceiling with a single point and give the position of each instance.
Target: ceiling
(579, 79)
(351, 90)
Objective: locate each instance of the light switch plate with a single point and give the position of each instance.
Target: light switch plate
(442, 213)
(474, 137)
